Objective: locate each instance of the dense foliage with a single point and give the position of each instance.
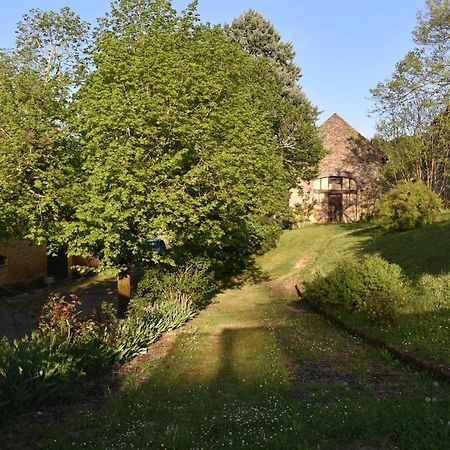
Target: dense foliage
(183, 112)
(53, 361)
(38, 155)
(188, 284)
(159, 127)
(372, 285)
(413, 105)
(408, 206)
(293, 116)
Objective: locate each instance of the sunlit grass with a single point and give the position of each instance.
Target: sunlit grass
(256, 370)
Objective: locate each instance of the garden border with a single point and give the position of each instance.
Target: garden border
(436, 370)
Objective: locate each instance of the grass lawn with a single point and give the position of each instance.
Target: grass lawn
(423, 324)
(257, 369)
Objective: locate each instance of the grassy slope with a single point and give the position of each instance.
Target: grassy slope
(422, 327)
(257, 370)
(418, 252)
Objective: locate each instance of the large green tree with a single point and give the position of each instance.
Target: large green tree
(412, 106)
(38, 154)
(293, 116)
(419, 88)
(177, 143)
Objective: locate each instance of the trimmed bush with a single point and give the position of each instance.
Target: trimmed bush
(372, 285)
(407, 206)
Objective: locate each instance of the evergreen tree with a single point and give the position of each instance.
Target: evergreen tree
(293, 116)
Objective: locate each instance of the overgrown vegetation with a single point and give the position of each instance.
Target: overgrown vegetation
(54, 360)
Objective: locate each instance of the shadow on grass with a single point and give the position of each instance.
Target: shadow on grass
(244, 402)
(252, 274)
(244, 406)
(417, 252)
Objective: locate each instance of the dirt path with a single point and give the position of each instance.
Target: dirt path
(259, 370)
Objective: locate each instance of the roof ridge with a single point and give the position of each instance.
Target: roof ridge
(336, 117)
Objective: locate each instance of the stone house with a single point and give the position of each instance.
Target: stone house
(349, 181)
(22, 262)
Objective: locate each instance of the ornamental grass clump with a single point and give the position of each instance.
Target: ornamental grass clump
(144, 324)
(372, 286)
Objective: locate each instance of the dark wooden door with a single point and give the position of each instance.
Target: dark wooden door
(335, 211)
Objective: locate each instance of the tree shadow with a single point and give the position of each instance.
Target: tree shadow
(252, 274)
(240, 406)
(417, 252)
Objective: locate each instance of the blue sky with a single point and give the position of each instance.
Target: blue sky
(344, 47)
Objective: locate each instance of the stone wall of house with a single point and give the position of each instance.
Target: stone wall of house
(22, 262)
(349, 155)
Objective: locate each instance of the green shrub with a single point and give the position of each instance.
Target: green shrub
(433, 292)
(187, 285)
(50, 363)
(30, 374)
(372, 285)
(407, 206)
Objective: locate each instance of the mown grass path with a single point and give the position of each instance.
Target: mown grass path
(257, 369)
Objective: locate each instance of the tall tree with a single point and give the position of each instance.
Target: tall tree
(293, 116)
(37, 150)
(177, 143)
(412, 106)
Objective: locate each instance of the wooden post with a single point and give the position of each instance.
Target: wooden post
(124, 294)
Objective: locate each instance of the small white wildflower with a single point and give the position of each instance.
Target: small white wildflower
(428, 399)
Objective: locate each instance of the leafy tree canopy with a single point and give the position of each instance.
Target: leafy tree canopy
(413, 105)
(419, 88)
(37, 150)
(177, 142)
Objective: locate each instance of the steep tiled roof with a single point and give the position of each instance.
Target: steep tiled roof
(336, 131)
(349, 151)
